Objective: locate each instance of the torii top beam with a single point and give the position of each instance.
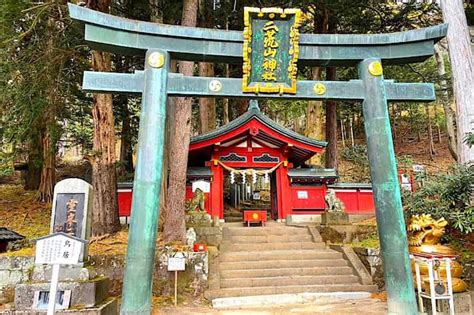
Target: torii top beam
(106, 32)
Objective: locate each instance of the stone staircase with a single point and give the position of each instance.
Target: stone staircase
(279, 259)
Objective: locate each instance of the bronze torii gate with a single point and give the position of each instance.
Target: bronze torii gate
(160, 43)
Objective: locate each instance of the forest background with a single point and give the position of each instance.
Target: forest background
(44, 113)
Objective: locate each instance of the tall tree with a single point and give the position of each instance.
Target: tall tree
(450, 120)
(104, 178)
(315, 118)
(331, 125)
(37, 47)
(174, 225)
(462, 67)
(207, 105)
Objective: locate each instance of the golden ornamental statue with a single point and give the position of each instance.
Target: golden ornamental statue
(424, 234)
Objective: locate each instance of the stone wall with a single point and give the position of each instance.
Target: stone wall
(344, 234)
(13, 270)
(17, 270)
(372, 261)
(210, 235)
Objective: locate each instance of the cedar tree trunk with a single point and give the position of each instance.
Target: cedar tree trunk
(48, 171)
(126, 151)
(104, 178)
(207, 105)
(448, 111)
(315, 118)
(331, 125)
(35, 161)
(225, 104)
(174, 229)
(462, 67)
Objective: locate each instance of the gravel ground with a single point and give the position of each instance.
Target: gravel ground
(347, 307)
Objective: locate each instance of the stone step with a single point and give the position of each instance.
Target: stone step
(288, 281)
(233, 215)
(267, 238)
(228, 246)
(259, 231)
(233, 219)
(319, 300)
(302, 254)
(276, 264)
(253, 291)
(275, 272)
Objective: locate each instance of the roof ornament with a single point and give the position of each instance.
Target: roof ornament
(253, 105)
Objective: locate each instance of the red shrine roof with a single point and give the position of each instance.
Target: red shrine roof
(261, 130)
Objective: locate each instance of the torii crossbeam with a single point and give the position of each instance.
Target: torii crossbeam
(161, 42)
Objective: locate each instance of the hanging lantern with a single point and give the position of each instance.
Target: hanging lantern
(254, 176)
(232, 177)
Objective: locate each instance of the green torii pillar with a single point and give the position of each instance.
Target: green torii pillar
(162, 42)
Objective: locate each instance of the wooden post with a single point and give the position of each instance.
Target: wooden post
(176, 288)
(53, 289)
(137, 288)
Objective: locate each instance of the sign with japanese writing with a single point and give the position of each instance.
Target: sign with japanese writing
(203, 185)
(302, 194)
(270, 50)
(419, 168)
(58, 248)
(177, 262)
(71, 208)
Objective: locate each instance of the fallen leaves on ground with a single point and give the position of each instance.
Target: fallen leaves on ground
(21, 212)
(382, 296)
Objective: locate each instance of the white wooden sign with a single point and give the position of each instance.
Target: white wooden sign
(58, 248)
(203, 185)
(405, 182)
(176, 264)
(302, 194)
(417, 168)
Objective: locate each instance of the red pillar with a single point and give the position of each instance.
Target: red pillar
(217, 194)
(284, 193)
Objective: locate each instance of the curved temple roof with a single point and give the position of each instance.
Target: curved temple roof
(111, 33)
(302, 147)
(255, 113)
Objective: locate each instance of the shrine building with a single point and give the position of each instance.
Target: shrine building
(253, 163)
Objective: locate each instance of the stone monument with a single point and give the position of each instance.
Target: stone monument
(79, 288)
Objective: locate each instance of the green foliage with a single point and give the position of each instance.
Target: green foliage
(445, 195)
(372, 241)
(41, 60)
(356, 154)
(285, 110)
(469, 140)
(470, 14)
